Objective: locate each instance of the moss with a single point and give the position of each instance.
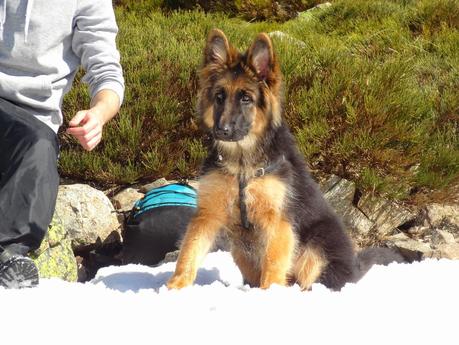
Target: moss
(55, 258)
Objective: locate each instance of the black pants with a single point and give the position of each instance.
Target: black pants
(28, 178)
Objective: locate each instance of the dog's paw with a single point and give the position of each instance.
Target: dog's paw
(178, 282)
(269, 279)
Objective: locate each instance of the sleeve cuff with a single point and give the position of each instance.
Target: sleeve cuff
(111, 85)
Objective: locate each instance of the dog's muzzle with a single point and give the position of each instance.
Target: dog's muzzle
(228, 132)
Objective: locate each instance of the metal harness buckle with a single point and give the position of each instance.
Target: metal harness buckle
(260, 172)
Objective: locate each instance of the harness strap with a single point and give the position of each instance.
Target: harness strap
(242, 204)
(270, 168)
(243, 184)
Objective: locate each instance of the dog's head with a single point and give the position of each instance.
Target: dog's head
(239, 94)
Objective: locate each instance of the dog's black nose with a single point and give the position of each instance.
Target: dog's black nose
(223, 132)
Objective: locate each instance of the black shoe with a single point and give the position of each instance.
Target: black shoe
(17, 271)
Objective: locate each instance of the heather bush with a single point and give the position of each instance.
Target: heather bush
(371, 94)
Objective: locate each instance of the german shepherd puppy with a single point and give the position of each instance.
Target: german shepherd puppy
(254, 183)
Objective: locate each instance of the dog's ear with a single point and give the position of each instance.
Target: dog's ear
(261, 56)
(217, 48)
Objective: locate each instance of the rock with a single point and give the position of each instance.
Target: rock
(162, 182)
(357, 221)
(409, 248)
(329, 183)
(82, 272)
(170, 257)
(158, 183)
(437, 225)
(444, 217)
(323, 5)
(55, 258)
(283, 36)
(194, 184)
(448, 251)
(387, 215)
(87, 213)
(418, 231)
(340, 195)
(124, 200)
(440, 237)
(309, 14)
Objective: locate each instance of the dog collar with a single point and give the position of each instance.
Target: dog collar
(270, 168)
(259, 172)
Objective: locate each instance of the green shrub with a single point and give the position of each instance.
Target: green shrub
(429, 17)
(280, 10)
(367, 96)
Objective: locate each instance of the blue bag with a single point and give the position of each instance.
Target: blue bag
(157, 223)
(176, 194)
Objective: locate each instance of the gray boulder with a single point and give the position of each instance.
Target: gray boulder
(125, 199)
(387, 215)
(340, 194)
(87, 213)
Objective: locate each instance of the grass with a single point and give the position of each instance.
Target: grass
(371, 95)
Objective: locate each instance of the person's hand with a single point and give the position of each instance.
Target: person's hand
(86, 126)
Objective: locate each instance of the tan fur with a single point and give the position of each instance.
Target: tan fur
(263, 254)
(308, 266)
(216, 195)
(265, 196)
(279, 252)
(276, 110)
(260, 123)
(208, 117)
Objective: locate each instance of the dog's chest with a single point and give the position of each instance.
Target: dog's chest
(262, 197)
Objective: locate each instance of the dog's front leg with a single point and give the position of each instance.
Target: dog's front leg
(278, 256)
(216, 192)
(198, 240)
(266, 199)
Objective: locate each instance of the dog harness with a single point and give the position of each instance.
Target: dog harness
(243, 181)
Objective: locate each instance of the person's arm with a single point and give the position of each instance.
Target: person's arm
(87, 125)
(94, 41)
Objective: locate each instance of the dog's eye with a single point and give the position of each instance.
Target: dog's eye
(219, 97)
(246, 99)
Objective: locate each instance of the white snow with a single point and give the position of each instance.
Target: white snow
(397, 304)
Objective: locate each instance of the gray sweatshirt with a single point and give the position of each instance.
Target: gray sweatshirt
(42, 45)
